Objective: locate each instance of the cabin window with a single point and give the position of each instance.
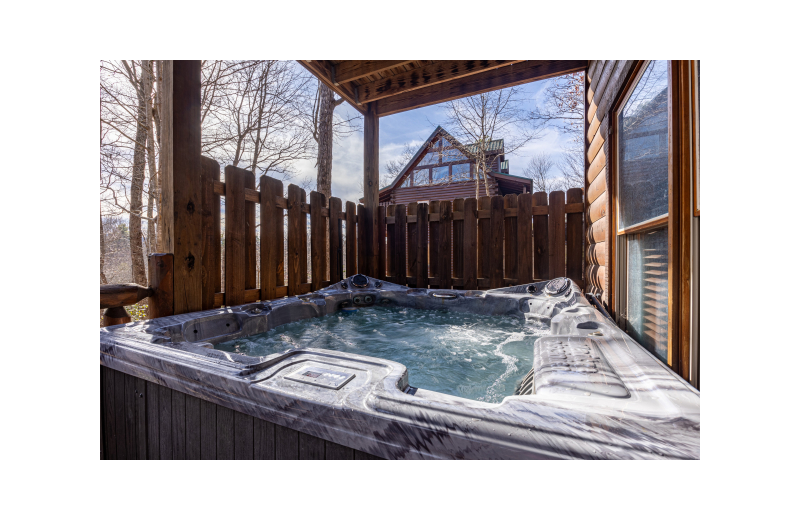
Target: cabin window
(406, 183)
(440, 175)
(461, 172)
(422, 177)
(642, 207)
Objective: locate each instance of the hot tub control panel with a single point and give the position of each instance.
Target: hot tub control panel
(320, 376)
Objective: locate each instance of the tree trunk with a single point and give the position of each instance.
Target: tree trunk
(103, 278)
(147, 78)
(139, 274)
(325, 141)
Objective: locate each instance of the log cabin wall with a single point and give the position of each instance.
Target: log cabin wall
(450, 191)
(604, 83)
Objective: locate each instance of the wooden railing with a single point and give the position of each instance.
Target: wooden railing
(482, 243)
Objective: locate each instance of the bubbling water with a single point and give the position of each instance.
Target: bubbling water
(461, 354)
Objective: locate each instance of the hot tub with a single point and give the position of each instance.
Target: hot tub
(588, 390)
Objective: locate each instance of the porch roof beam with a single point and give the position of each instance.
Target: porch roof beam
(353, 70)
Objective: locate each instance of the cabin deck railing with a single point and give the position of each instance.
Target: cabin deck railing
(472, 243)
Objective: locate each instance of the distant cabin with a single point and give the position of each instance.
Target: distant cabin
(444, 169)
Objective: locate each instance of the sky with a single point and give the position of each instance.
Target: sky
(414, 126)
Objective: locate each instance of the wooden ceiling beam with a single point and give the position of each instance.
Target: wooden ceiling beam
(357, 69)
(503, 77)
(426, 76)
(322, 71)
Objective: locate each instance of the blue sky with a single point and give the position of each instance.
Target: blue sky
(415, 126)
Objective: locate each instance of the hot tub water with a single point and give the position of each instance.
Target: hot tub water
(466, 355)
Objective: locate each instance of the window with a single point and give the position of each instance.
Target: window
(461, 172)
(642, 207)
(440, 175)
(422, 177)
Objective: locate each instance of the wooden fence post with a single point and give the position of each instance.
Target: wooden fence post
(400, 245)
(556, 242)
(297, 242)
(335, 239)
(434, 212)
(411, 239)
(575, 238)
(445, 244)
(470, 244)
(271, 237)
(209, 172)
(496, 243)
(235, 235)
(159, 268)
(421, 272)
(524, 238)
(381, 274)
(250, 281)
(484, 239)
(352, 240)
(458, 241)
(390, 238)
(541, 260)
(510, 242)
(318, 242)
(363, 232)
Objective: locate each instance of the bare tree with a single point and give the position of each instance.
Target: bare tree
(395, 166)
(563, 106)
(482, 118)
(571, 166)
(538, 170)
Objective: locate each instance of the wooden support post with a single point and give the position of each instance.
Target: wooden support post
(556, 242)
(524, 238)
(235, 232)
(180, 149)
(271, 237)
(159, 270)
(297, 243)
(421, 263)
(371, 183)
(209, 172)
(352, 241)
(541, 261)
(575, 238)
(470, 244)
(318, 240)
(335, 240)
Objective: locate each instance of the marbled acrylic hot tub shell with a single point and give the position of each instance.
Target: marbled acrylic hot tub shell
(593, 392)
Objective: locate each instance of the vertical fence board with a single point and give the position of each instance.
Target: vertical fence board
(361, 217)
(130, 417)
(511, 244)
(524, 238)
(271, 237)
(381, 243)
(119, 415)
(208, 430)
(164, 423)
(335, 240)
(391, 210)
(411, 239)
(310, 447)
(421, 272)
(470, 244)
(400, 245)
(318, 240)
(541, 260)
(192, 428)
(286, 442)
(458, 240)
(350, 237)
(243, 436)
(225, 433)
(250, 235)
(484, 239)
(297, 244)
(433, 239)
(264, 436)
(575, 238)
(209, 172)
(153, 416)
(445, 237)
(496, 241)
(235, 233)
(556, 241)
(178, 425)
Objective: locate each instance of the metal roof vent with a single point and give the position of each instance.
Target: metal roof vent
(359, 281)
(556, 286)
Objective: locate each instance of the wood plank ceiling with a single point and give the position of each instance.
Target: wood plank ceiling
(393, 86)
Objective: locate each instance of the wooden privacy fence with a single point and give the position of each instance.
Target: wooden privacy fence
(471, 243)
